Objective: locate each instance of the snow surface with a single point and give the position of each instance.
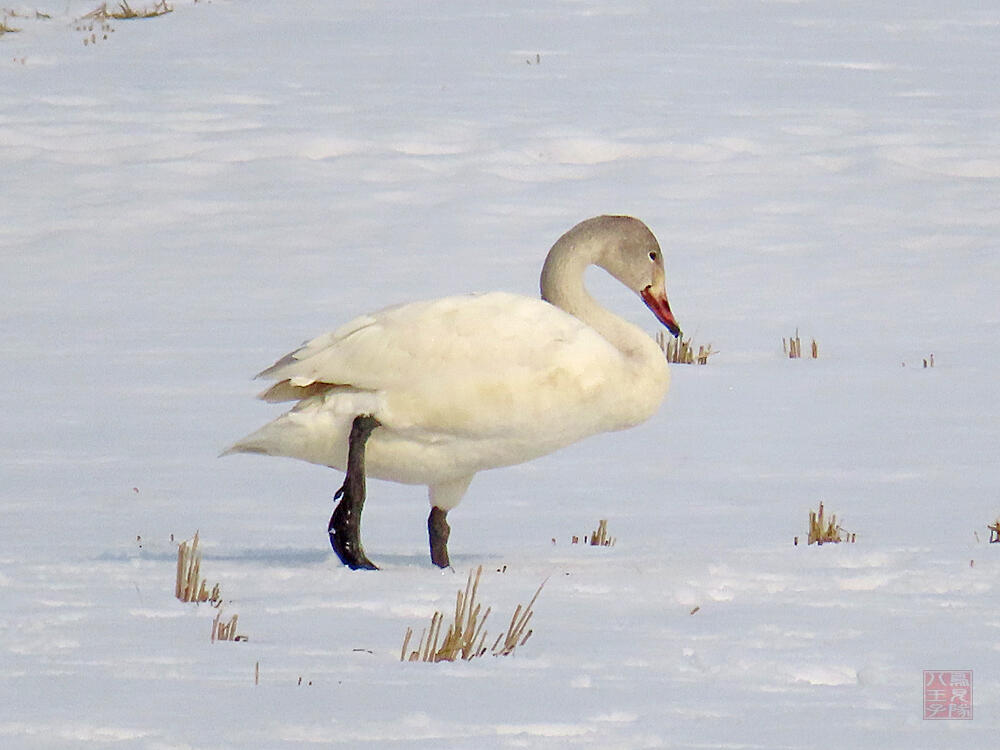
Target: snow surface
(187, 200)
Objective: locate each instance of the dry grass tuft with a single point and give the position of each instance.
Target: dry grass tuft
(793, 347)
(6, 28)
(189, 588)
(597, 538)
(680, 351)
(226, 631)
(822, 530)
(465, 637)
(600, 538)
(125, 11)
(96, 25)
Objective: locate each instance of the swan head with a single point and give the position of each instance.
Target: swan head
(626, 248)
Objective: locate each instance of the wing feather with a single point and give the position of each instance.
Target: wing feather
(472, 363)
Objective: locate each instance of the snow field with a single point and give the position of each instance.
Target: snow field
(185, 202)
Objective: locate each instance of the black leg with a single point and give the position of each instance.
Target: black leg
(438, 530)
(345, 523)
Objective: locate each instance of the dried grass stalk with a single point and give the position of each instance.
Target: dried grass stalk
(681, 351)
(465, 637)
(517, 632)
(226, 631)
(822, 530)
(190, 587)
(793, 347)
(124, 12)
(601, 538)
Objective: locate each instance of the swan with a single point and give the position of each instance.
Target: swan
(433, 392)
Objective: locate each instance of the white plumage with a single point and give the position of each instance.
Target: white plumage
(472, 382)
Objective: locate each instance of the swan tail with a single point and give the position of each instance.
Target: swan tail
(322, 441)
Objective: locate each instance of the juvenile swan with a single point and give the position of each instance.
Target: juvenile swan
(433, 392)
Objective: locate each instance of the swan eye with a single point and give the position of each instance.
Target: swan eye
(652, 255)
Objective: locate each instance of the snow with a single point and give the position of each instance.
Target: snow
(184, 202)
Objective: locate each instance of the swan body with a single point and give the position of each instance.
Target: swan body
(472, 382)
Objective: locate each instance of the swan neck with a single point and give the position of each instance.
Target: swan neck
(562, 279)
(562, 284)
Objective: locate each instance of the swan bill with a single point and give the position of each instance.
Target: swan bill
(661, 309)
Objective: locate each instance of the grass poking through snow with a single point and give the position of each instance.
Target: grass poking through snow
(125, 12)
(680, 351)
(225, 630)
(822, 530)
(601, 538)
(190, 586)
(793, 347)
(465, 637)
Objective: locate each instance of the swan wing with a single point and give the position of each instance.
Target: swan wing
(474, 364)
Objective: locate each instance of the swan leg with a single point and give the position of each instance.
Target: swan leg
(439, 530)
(345, 523)
(443, 496)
